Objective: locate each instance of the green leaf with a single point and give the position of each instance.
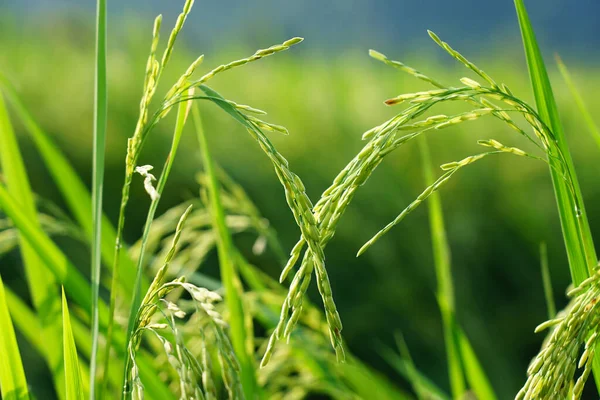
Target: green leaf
(28, 324)
(100, 116)
(462, 361)
(445, 292)
(25, 320)
(41, 283)
(585, 113)
(74, 385)
(229, 277)
(576, 231)
(13, 385)
(478, 381)
(575, 226)
(72, 189)
(79, 202)
(52, 257)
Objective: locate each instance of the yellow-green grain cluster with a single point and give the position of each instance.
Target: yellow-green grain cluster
(551, 375)
(194, 376)
(381, 141)
(418, 103)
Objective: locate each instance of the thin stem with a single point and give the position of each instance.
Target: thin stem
(100, 117)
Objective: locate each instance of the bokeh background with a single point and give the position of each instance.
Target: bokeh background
(327, 91)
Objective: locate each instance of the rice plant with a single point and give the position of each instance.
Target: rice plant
(168, 330)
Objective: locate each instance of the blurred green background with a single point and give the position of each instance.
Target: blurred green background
(328, 92)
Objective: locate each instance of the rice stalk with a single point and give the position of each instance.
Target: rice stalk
(148, 305)
(382, 140)
(474, 93)
(180, 92)
(152, 76)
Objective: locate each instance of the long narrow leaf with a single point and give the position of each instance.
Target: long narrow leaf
(462, 361)
(64, 272)
(478, 380)
(575, 226)
(445, 292)
(25, 320)
(100, 107)
(72, 188)
(42, 285)
(74, 385)
(13, 385)
(27, 323)
(229, 276)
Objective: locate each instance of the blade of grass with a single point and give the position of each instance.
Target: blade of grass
(25, 320)
(462, 361)
(574, 222)
(28, 324)
(52, 257)
(13, 385)
(547, 281)
(74, 283)
(42, 285)
(445, 290)
(478, 380)
(585, 113)
(74, 385)
(229, 277)
(73, 189)
(575, 226)
(100, 110)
